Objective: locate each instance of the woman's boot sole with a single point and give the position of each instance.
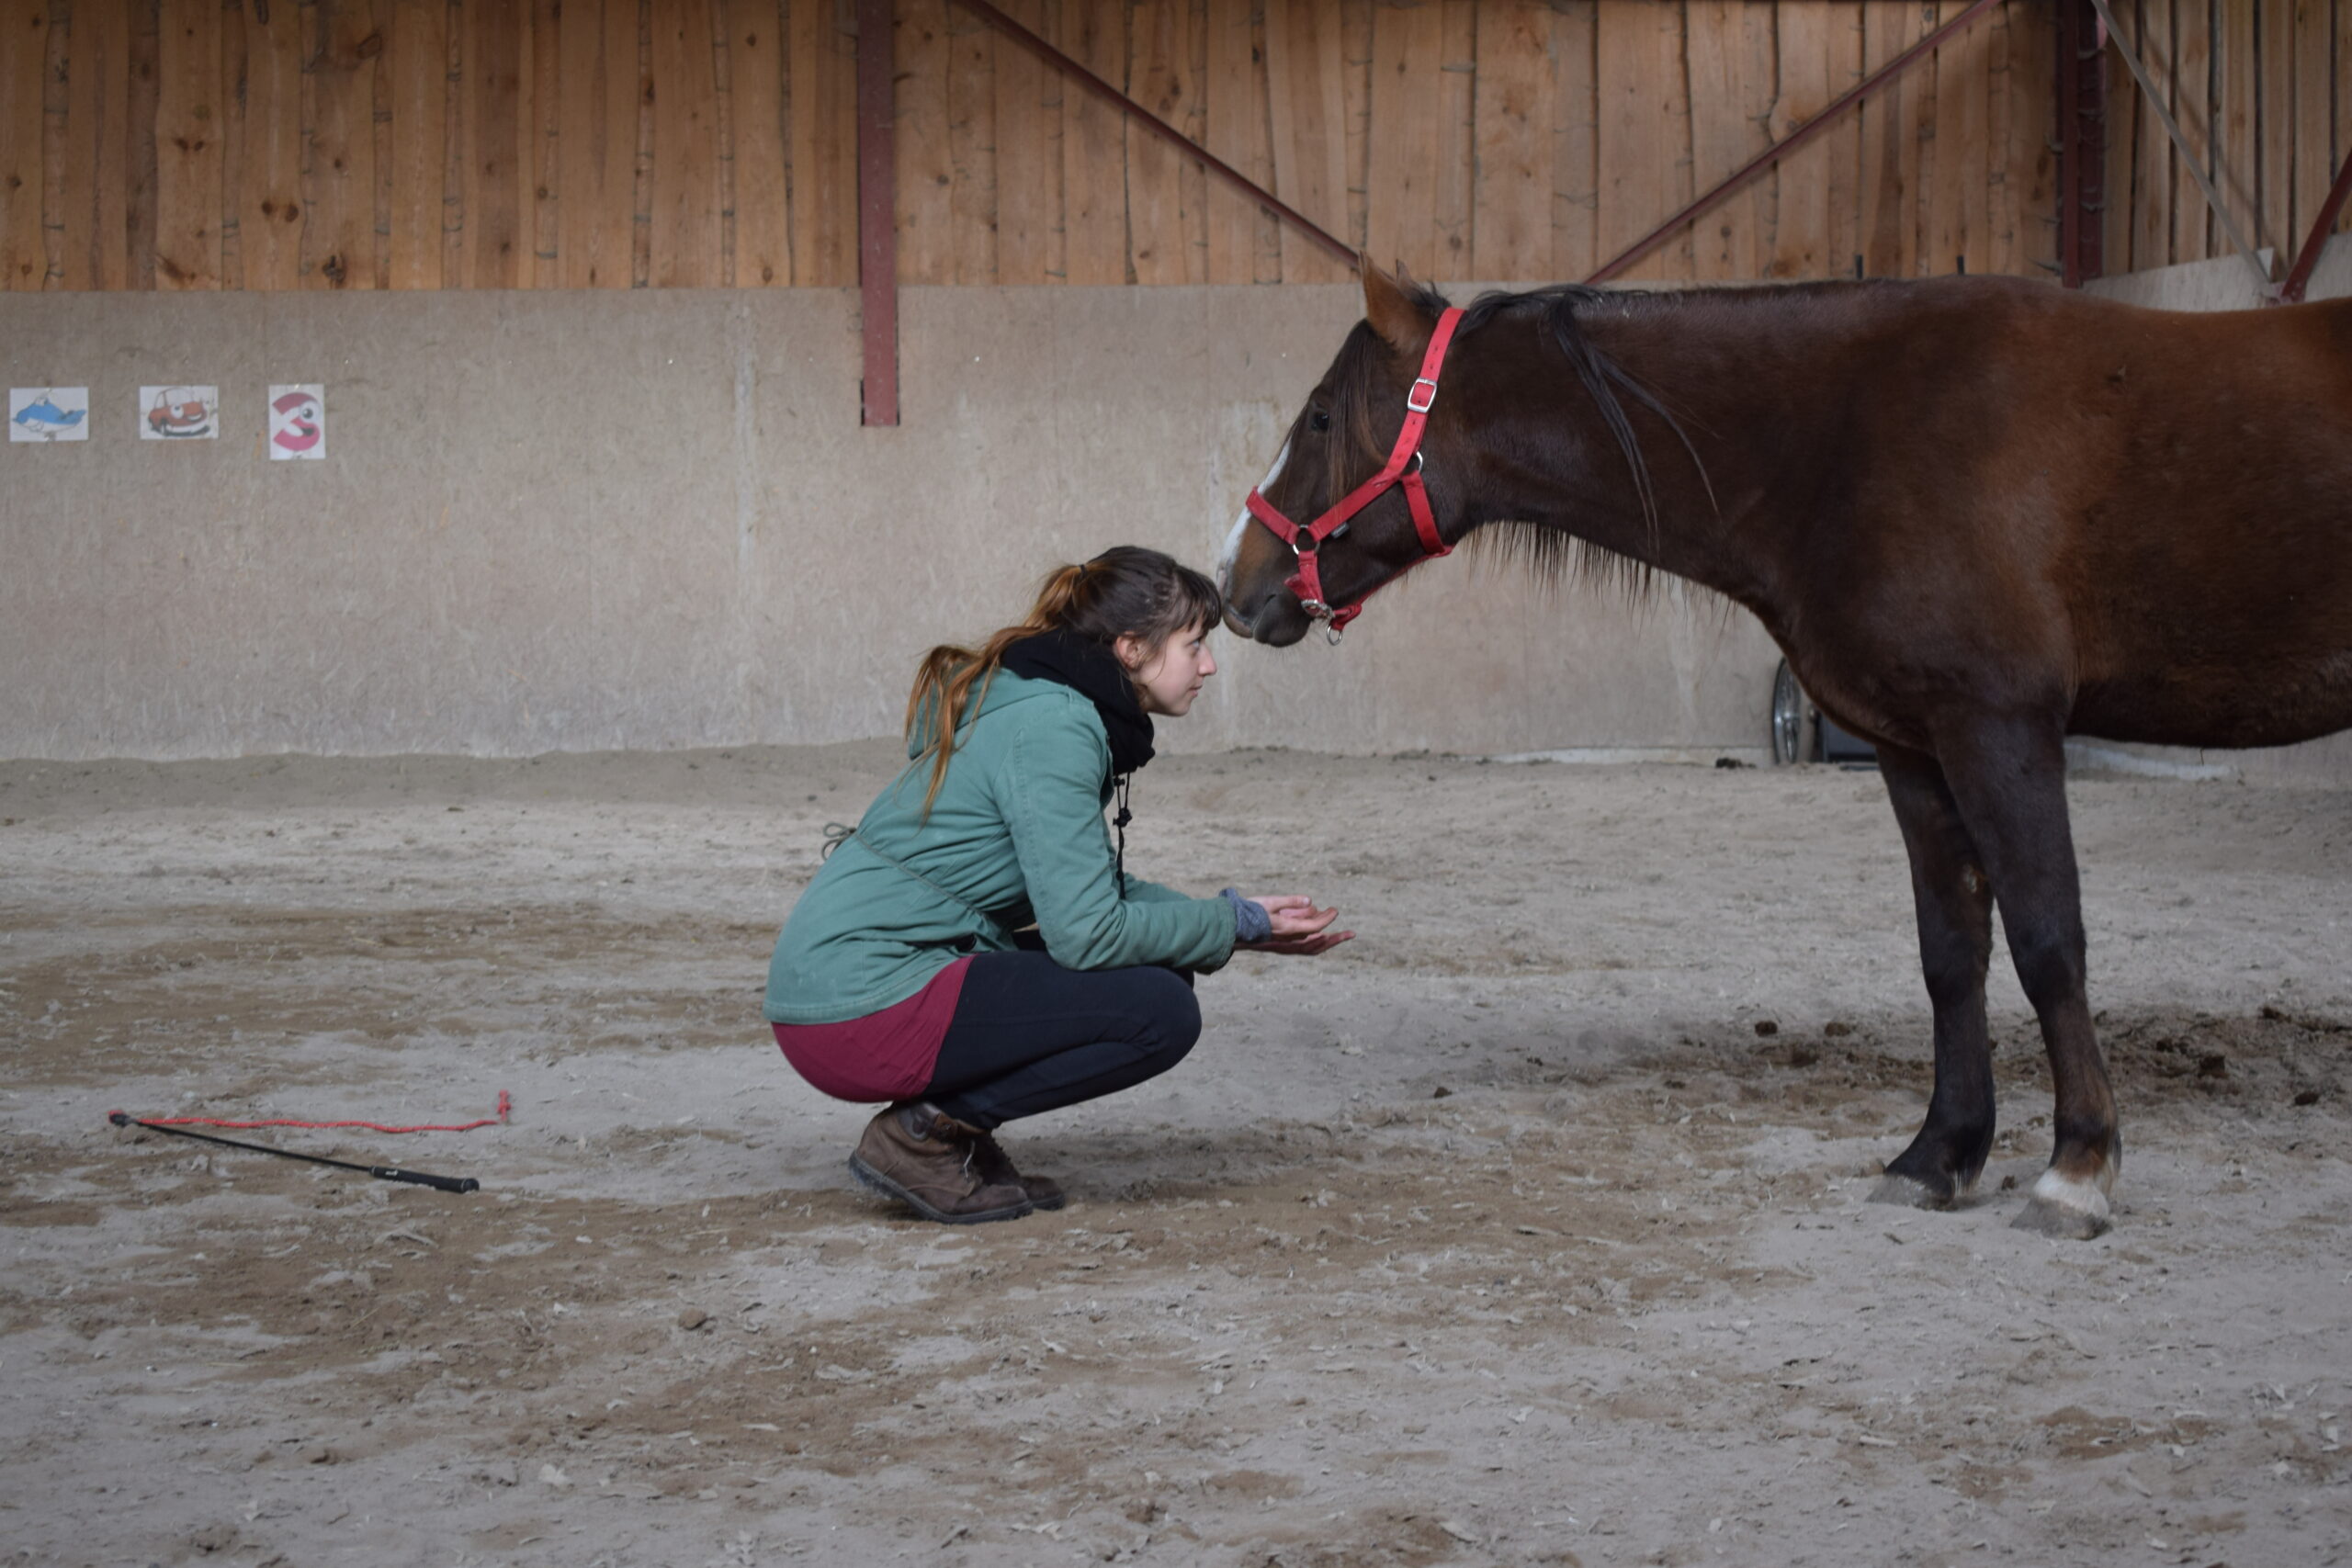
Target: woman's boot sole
(889, 1189)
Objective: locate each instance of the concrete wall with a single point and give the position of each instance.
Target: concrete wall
(651, 519)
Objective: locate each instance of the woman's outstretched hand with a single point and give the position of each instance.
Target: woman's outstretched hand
(1299, 927)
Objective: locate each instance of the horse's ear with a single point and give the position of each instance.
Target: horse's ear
(1390, 306)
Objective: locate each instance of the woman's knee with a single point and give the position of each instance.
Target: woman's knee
(1174, 1011)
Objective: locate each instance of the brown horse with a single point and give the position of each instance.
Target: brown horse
(1978, 515)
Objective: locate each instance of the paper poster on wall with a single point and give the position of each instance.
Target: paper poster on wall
(179, 414)
(49, 414)
(298, 422)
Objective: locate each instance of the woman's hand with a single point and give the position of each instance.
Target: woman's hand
(1299, 927)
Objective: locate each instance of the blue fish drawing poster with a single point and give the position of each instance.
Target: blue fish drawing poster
(49, 414)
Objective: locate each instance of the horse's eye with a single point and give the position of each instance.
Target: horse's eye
(1318, 421)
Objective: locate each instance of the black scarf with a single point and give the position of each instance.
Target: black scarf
(1091, 670)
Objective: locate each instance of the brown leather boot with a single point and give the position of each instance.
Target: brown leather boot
(991, 1160)
(931, 1162)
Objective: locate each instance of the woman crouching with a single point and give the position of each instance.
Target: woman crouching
(974, 951)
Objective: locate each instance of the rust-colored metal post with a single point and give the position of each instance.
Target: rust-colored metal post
(2082, 142)
(877, 240)
(2299, 277)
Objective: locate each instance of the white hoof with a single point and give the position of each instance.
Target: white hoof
(2063, 1206)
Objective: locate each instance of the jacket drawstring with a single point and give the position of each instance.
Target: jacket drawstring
(1119, 822)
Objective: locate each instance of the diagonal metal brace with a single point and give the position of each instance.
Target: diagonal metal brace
(2270, 290)
(1158, 127)
(1754, 169)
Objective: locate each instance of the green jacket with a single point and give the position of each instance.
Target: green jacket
(1017, 832)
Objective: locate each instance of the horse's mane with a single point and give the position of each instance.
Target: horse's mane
(1550, 553)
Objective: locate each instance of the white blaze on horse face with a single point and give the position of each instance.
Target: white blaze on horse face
(1241, 523)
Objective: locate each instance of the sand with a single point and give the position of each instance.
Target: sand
(1529, 1228)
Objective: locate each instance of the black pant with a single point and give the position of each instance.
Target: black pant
(1030, 1035)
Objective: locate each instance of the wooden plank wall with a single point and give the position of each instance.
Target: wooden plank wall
(2263, 91)
(426, 144)
(651, 144)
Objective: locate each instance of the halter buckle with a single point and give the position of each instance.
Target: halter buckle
(1416, 400)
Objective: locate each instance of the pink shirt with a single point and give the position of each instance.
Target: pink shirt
(884, 1055)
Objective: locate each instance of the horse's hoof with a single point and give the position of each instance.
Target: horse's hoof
(2070, 1210)
(1909, 1192)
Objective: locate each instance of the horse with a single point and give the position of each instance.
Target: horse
(1977, 513)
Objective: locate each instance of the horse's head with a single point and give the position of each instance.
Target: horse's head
(1381, 471)
(1351, 422)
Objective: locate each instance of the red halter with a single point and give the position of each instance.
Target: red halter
(1403, 467)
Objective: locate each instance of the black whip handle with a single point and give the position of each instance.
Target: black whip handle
(381, 1172)
(445, 1183)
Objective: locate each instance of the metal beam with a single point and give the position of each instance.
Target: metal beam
(878, 238)
(1158, 127)
(1753, 170)
(2299, 277)
(2188, 156)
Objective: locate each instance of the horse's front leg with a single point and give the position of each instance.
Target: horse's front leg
(1954, 902)
(2008, 773)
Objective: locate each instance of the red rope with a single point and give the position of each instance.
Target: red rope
(504, 1105)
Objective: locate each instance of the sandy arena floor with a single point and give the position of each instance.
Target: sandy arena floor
(1529, 1228)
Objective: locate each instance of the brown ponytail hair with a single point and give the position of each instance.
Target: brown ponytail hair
(1127, 590)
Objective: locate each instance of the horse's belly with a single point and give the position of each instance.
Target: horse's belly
(2264, 706)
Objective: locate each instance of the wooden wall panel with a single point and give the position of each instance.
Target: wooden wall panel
(925, 169)
(1513, 114)
(2260, 89)
(1407, 92)
(1304, 68)
(188, 148)
(1732, 67)
(2275, 116)
(1457, 137)
(1028, 158)
(1242, 246)
(338, 177)
(759, 124)
(2152, 161)
(493, 49)
(2127, 116)
(417, 62)
(544, 144)
(24, 54)
(686, 248)
(269, 162)
(2193, 108)
(1645, 132)
(2313, 48)
(2343, 101)
(1962, 139)
(597, 136)
(1355, 85)
(1093, 143)
(96, 165)
(1890, 234)
(1166, 222)
(618, 144)
(2237, 69)
(971, 145)
(1800, 245)
(1575, 166)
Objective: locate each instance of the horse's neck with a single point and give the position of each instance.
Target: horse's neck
(1729, 369)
